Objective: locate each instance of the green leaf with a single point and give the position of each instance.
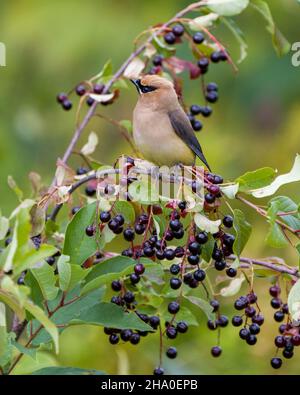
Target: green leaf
(69, 275)
(4, 226)
(13, 303)
(45, 277)
(255, 179)
(162, 48)
(77, 244)
(66, 371)
(109, 270)
(206, 224)
(239, 36)
(5, 339)
(280, 43)
(126, 209)
(298, 250)
(105, 73)
(283, 204)
(112, 265)
(184, 314)
(207, 249)
(49, 326)
(13, 186)
(50, 228)
(31, 352)
(32, 257)
(275, 238)
(227, 7)
(113, 316)
(38, 220)
(233, 287)
(143, 191)
(121, 83)
(203, 305)
(294, 301)
(203, 21)
(65, 314)
(243, 231)
(230, 190)
(19, 245)
(127, 124)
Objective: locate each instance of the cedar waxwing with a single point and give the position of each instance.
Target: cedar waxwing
(161, 129)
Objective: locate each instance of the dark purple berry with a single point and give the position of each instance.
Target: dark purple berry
(169, 254)
(276, 363)
(135, 338)
(279, 316)
(67, 105)
(237, 320)
(171, 332)
(116, 285)
(128, 297)
(90, 230)
(195, 109)
(251, 340)
(220, 265)
(228, 221)
(231, 272)
(198, 38)
(158, 372)
(61, 97)
(178, 30)
(244, 333)
(105, 216)
(175, 283)
(276, 303)
(193, 259)
(80, 90)
(171, 352)
(182, 327)
(202, 237)
(174, 269)
(216, 351)
(170, 38)
(211, 97)
(173, 307)
(254, 329)
(114, 338)
(199, 275)
(157, 60)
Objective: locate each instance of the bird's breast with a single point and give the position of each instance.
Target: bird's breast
(156, 139)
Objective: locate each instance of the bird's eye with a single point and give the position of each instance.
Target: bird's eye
(147, 89)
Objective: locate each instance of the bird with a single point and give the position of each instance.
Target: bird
(162, 130)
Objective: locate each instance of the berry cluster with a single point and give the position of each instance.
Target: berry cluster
(252, 319)
(289, 335)
(83, 89)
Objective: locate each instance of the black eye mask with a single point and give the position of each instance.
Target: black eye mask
(147, 89)
(143, 88)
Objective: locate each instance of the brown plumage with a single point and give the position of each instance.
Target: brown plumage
(161, 129)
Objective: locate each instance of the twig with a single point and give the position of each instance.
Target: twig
(119, 73)
(267, 264)
(263, 212)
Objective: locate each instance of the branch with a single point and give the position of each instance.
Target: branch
(267, 264)
(264, 213)
(119, 73)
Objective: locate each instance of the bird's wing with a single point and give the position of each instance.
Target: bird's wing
(183, 129)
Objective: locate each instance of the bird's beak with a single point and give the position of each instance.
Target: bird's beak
(137, 84)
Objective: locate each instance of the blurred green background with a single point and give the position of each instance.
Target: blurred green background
(51, 46)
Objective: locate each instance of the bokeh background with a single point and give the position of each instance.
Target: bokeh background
(51, 46)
